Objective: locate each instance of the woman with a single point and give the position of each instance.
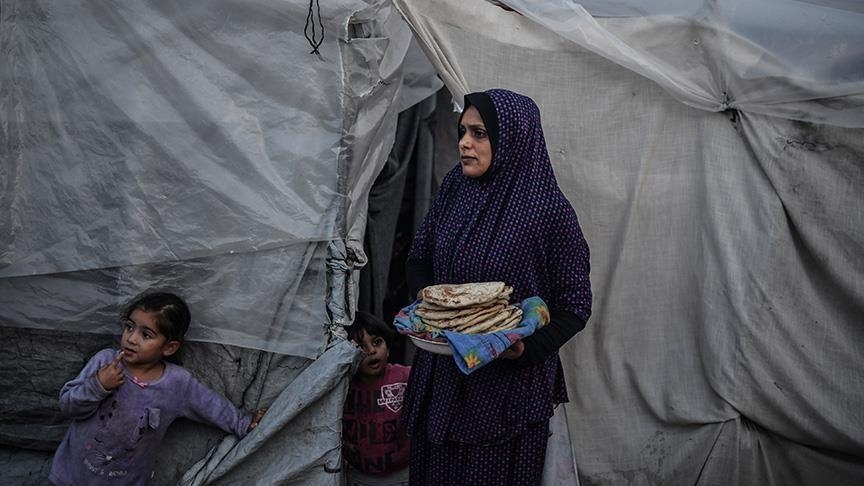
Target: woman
(499, 216)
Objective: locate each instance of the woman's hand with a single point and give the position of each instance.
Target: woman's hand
(110, 376)
(515, 351)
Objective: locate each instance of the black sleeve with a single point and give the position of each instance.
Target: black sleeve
(562, 326)
(418, 274)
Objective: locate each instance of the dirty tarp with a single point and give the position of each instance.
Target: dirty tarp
(304, 424)
(198, 146)
(193, 145)
(726, 344)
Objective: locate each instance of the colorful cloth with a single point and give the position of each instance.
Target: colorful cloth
(473, 351)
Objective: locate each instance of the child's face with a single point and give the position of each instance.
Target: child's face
(377, 354)
(142, 342)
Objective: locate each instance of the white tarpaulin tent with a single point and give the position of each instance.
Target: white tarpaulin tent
(199, 135)
(712, 150)
(200, 146)
(714, 154)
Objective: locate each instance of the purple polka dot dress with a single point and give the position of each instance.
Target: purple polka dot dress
(513, 224)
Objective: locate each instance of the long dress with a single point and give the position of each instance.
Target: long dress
(512, 224)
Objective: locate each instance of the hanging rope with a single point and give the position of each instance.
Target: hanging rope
(313, 38)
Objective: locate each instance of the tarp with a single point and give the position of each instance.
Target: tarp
(223, 149)
(193, 145)
(713, 151)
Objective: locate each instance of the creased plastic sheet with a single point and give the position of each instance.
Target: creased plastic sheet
(175, 129)
(285, 449)
(270, 292)
(726, 341)
(802, 60)
(197, 146)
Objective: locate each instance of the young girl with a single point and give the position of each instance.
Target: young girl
(122, 402)
(374, 443)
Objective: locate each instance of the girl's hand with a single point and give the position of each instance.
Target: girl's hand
(515, 351)
(110, 376)
(259, 414)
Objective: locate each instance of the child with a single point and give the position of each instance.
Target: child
(122, 402)
(374, 442)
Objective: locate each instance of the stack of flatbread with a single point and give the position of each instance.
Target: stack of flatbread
(470, 308)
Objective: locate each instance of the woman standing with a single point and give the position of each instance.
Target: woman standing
(499, 216)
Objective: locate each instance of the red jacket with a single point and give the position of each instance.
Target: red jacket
(373, 435)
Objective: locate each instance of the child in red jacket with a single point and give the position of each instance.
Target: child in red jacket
(374, 443)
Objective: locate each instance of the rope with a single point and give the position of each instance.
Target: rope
(314, 41)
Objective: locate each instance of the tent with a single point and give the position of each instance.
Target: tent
(222, 149)
(712, 151)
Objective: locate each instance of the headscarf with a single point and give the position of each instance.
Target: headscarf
(512, 224)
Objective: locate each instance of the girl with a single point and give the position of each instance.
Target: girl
(122, 402)
(374, 443)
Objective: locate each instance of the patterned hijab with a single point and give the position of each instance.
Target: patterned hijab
(513, 224)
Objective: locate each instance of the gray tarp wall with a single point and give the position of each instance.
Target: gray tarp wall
(199, 146)
(714, 153)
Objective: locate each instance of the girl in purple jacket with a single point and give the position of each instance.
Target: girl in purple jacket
(123, 401)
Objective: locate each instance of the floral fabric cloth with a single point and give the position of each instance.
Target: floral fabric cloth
(472, 351)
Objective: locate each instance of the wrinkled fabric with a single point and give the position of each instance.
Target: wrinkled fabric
(473, 351)
(194, 145)
(516, 461)
(199, 146)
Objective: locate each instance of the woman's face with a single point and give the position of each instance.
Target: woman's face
(475, 149)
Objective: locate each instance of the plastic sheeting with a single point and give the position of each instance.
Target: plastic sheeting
(726, 341)
(287, 448)
(802, 60)
(197, 146)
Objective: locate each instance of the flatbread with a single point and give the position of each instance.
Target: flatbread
(510, 323)
(467, 320)
(458, 296)
(443, 314)
(430, 306)
(502, 316)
